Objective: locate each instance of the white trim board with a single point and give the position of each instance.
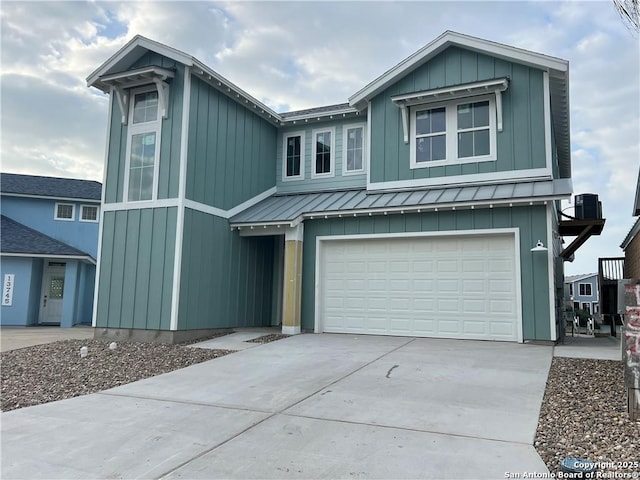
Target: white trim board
(193, 205)
(45, 197)
(532, 174)
(445, 233)
(48, 255)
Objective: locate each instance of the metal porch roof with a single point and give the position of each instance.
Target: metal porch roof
(291, 208)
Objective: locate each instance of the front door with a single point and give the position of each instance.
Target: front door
(52, 293)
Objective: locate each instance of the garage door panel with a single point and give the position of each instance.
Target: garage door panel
(462, 287)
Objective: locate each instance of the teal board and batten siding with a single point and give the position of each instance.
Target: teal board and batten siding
(136, 269)
(231, 150)
(226, 280)
(308, 184)
(521, 144)
(169, 168)
(531, 222)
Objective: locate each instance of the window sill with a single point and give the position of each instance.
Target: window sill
(444, 163)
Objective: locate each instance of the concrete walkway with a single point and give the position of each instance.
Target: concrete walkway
(12, 338)
(588, 346)
(309, 406)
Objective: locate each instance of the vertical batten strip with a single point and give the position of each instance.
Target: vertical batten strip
(552, 280)
(177, 260)
(546, 98)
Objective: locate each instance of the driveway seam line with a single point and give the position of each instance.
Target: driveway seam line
(185, 402)
(352, 422)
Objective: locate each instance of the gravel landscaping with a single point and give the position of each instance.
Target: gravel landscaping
(584, 414)
(55, 371)
(268, 338)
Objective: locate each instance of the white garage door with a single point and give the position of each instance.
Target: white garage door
(447, 287)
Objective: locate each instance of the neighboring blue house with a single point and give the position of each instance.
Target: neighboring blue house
(582, 291)
(48, 246)
(411, 210)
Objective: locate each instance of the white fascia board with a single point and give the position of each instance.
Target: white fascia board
(631, 235)
(44, 197)
(450, 38)
(138, 41)
(225, 86)
(333, 113)
(86, 258)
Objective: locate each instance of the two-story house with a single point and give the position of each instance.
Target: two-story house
(48, 246)
(426, 205)
(582, 292)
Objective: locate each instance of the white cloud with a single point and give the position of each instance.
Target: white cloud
(301, 54)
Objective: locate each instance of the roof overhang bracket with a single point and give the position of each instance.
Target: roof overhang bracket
(589, 228)
(496, 86)
(121, 83)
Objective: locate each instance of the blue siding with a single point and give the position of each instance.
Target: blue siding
(308, 184)
(519, 146)
(136, 270)
(226, 280)
(39, 214)
(231, 150)
(26, 291)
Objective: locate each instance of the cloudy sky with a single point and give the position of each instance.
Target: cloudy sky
(296, 55)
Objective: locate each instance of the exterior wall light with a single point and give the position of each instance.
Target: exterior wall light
(539, 247)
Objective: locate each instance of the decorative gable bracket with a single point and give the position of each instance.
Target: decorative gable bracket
(496, 86)
(121, 83)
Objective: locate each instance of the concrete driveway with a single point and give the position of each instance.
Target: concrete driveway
(309, 406)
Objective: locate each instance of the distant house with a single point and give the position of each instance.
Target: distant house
(582, 291)
(48, 246)
(425, 206)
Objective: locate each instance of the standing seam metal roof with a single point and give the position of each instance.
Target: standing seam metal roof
(286, 208)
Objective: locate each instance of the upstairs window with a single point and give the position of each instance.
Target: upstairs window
(585, 289)
(293, 162)
(353, 154)
(323, 153)
(458, 132)
(143, 146)
(88, 213)
(65, 211)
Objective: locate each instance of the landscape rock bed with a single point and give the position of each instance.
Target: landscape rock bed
(269, 338)
(55, 371)
(584, 415)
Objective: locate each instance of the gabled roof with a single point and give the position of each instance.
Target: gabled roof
(557, 68)
(18, 239)
(577, 278)
(138, 46)
(58, 188)
(289, 209)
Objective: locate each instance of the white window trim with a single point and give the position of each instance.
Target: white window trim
(285, 137)
(136, 129)
(332, 158)
(365, 152)
(585, 294)
(73, 212)
(82, 207)
(452, 132)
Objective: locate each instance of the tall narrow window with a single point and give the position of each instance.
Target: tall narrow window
(144, 131)
(431, 138)
(323, 153)
(353, 140)
(293, 165)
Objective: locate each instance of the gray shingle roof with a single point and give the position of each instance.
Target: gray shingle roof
(12, 183)
(318, 110)
(287, 208)
(18, 238)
